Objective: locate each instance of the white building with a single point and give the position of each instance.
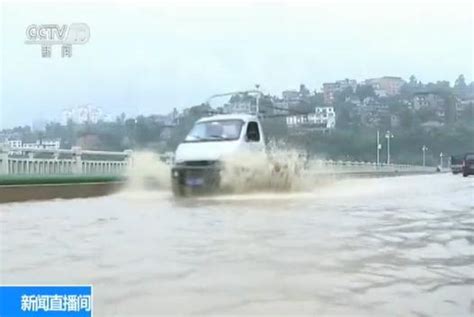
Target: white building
(48, 144)
(280, 106)
(82, 114)
(323, 118)
(326, 116)
(240, 107)
(39, 144)
(241, 103)
(428, 100)
(14, 144)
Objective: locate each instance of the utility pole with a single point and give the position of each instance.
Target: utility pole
(388, 136)
(424, 149)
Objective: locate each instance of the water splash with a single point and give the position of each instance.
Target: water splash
(281, 168)
(147, 171)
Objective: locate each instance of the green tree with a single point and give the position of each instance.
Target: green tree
(344, 115)
(460, 86)
(364, 91)
(341, 96)
(316, 99)
(304, 92)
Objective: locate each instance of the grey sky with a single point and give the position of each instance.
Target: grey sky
(151, 58)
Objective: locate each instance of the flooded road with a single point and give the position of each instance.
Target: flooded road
(399, 246)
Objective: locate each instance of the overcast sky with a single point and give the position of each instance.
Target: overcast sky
(144, 58)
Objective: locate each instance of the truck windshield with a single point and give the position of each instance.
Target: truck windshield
(218, 130)
(456, 159)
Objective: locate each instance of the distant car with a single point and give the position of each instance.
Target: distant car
(468, 165)
(456, 163)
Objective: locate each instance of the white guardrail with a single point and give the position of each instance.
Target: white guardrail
(75, 161)
(336, 167)
(27, 161)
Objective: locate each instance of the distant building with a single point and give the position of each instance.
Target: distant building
(378, 91)
(373, 112)
(291, 95)
(280, 106)
(82, 114)
(386, 86)
(354, 100)
(49, 144)
(326, 116)
(323, 118)
(15, 144)
(43, 144)
(241, 103)
(330, 89)
(462, 105)
(427, 100)
(290, 99)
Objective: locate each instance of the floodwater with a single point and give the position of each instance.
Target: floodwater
(401, 246)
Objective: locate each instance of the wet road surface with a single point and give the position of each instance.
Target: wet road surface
(401, 246)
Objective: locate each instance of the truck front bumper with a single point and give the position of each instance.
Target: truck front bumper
(187, 179)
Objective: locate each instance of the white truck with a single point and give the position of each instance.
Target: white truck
(198, 160)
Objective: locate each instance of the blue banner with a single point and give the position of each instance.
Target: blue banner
(45, 301)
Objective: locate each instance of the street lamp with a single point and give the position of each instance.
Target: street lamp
(388, 136)
(257, 86)
(379, 147)
(424, 149)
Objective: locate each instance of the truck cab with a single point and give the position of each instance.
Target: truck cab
(468, 164)
(456, 163)
(199, 159)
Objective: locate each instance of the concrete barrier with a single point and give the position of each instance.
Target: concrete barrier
(20, 193)
(35, 187)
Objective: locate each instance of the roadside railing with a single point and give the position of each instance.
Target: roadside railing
(330, 166)
(33, 161)
(75, 161)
